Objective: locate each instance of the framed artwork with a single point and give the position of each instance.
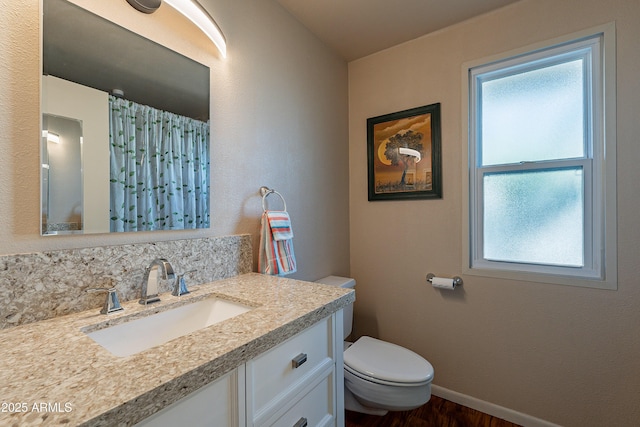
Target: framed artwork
(404, 154)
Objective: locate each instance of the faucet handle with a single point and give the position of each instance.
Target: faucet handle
(180, 286)
(111, 304)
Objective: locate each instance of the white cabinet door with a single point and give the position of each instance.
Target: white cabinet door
(313, 409)
(217, 404)
(272, 375)
(299, 381)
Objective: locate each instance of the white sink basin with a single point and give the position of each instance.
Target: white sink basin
(142, 334)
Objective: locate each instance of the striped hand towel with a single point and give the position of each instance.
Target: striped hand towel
(276, 255)
(280, 224)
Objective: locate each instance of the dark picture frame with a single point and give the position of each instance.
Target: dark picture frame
(404, 154)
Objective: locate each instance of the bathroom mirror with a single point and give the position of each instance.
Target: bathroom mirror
(86, 61)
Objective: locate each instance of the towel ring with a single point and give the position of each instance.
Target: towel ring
(265, 191)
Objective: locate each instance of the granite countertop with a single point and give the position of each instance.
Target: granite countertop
(52, 373)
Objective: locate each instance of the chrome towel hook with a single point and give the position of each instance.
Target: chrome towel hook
(265, 191)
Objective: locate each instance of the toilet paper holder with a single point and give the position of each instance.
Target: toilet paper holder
(457, 280)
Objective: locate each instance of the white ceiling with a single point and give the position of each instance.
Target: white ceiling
(357, 28)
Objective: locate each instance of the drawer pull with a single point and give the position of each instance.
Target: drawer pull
(298, 361)
(302, 422)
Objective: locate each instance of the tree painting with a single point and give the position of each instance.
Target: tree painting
(403, 161)
(404, 154)
(411, 140)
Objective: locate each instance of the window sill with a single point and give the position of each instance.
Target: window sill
(608, 283)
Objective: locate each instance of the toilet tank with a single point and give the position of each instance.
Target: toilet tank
(342, 282)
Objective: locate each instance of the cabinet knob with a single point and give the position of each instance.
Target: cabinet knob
(302, 422)
(298, 361)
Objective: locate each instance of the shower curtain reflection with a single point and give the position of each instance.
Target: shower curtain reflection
(159, 169)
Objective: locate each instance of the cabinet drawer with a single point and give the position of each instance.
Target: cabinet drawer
(315, 409)
(274, 372)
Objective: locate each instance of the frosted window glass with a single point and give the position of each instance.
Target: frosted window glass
(534, 217)
(534, 115)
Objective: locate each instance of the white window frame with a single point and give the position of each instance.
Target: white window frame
(599, 163)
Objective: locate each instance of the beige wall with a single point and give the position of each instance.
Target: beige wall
(279, 118)
(567, 355)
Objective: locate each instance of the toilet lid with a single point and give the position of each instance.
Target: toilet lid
(386, 361)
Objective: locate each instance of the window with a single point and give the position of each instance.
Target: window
(541, 189)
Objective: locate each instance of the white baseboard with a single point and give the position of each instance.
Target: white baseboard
(490, 408)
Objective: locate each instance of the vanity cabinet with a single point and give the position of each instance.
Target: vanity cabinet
(298, 383)
(216, 404)
(295, 383)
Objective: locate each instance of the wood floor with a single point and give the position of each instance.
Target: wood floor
(435, 413)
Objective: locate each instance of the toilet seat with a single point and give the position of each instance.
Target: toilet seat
(385, 363)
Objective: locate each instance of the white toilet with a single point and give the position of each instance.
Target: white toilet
(380, 376)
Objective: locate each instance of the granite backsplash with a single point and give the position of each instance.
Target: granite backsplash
(44, 285)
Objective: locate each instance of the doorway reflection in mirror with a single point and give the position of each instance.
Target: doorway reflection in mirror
(61, 147)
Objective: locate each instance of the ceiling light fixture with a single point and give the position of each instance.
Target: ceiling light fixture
(145, 6)
(196, 14)
(193, 11)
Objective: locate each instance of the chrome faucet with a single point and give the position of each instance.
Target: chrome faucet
(164, 271)
(111, 304)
